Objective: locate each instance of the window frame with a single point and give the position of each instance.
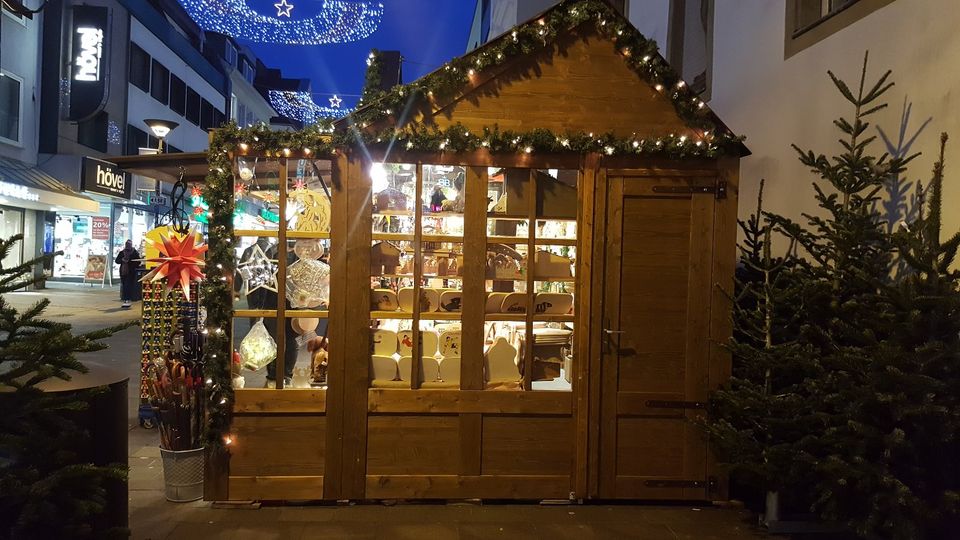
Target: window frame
(799, 39)
(189, 112)
(130, 67)
(230, 53)
(20, 83)
(675, 43)
(182, 111)
(160, 87)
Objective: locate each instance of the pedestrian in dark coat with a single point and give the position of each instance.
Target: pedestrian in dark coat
(129, 261)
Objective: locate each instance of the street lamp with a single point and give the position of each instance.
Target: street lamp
(160, 129)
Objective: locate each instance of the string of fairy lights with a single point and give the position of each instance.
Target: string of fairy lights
(337, 21)
(379, 122)
(300, 106)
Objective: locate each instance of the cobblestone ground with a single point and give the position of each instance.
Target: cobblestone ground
(152, 517)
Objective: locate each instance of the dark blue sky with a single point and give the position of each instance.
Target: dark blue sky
(426, 32)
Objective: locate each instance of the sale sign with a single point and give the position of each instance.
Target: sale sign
(101, 228)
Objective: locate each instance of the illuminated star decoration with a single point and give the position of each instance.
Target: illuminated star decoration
(240, 190)
(196, 191)
(338, 21)
(335, 102)
(179, 262)
(300, 106)
(283, 8)
(258, 271)
(299, 183)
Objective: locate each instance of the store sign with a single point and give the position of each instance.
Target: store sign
(18, 192)
(105, 178)
(100, 228)
(89, 61)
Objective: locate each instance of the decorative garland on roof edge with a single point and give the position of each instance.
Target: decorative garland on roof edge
(323, 141)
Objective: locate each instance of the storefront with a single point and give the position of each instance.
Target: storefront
(29, 201)
(515, 291)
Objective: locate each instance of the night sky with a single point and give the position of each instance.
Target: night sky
(426, 32)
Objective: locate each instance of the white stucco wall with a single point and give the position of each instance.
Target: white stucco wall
(652, 19)
(776, 102)
(20, 55)
(141, 105)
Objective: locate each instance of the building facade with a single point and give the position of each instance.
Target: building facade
(106, 68)
(762, 67)
(29, 197)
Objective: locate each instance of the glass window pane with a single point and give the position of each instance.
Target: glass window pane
(9, 108)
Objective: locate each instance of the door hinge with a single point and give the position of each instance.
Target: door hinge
(665, 404)
(719, 189)
(710, 484)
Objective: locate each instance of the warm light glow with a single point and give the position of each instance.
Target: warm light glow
(378, 177)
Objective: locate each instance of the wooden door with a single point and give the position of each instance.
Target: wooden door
(655, 335)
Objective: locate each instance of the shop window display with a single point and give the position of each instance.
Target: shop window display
(77, 239)
(282, 281)
(528, 329)
(416, 261)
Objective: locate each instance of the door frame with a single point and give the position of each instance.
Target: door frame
(609, 183)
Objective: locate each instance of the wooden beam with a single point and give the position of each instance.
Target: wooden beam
(257, 401)
(390, 400)
(465, 487)
(276, 488)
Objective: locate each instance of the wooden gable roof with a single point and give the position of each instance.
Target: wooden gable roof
(579, 84)
(579, 69)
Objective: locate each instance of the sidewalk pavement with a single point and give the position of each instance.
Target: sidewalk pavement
(152, 517)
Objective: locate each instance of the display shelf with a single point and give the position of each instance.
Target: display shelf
(554, 318)
(441, 315)
(390, 315)
(523, 217)
(525, 240)
(311, 313)
(517, 278)
(555, 279)
(395, 213)
(256, 313)
(442, 214)
(265, 233)
(442, 238)
(393, 237)
(309, 235)
(393, 276)
(498, 317)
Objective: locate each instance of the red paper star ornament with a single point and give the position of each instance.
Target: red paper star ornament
(179, 262)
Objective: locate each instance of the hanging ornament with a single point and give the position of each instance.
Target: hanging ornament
(240, 189)
(338, 21)
(246, 173)
(299, 184)
(196, 191)
(179, 262)
(258, 271)
(309, 211)
(308, 248)
(335, 102)
(308, 283)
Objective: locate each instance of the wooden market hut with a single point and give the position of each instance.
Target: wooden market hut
(571, 118)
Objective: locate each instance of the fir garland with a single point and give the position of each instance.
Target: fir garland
(640, 54)
(326, 138)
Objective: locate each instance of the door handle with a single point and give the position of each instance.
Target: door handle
(610, 332)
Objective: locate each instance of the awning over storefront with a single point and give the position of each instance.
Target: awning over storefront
(29, 187)
(166, 167)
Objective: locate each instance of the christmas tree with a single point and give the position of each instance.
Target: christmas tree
(901, 477)
(45, 492)
(844, 388)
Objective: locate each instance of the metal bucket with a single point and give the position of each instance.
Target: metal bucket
(183, 474)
